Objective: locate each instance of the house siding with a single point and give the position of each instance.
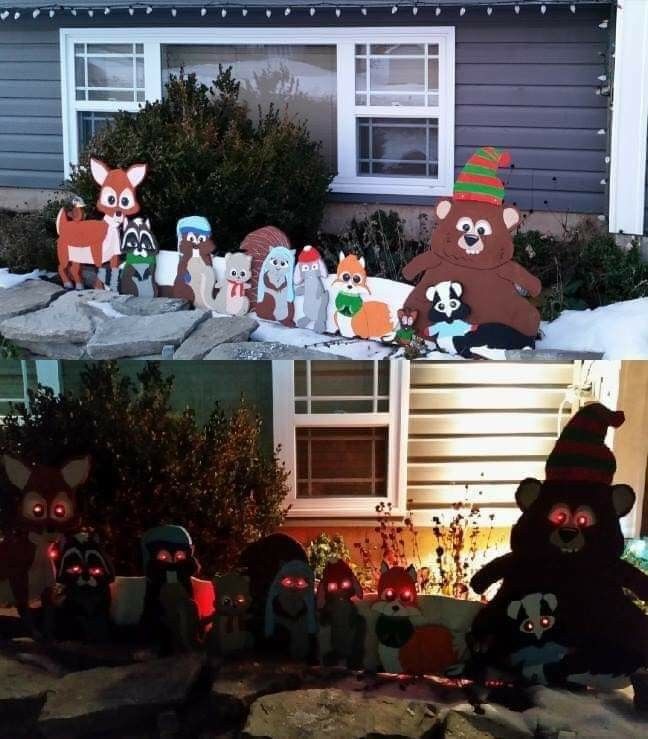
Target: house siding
(527, 83)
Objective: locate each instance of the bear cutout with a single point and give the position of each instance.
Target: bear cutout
(473, 245)
(568, 542)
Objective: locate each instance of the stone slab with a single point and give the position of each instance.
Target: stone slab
(266, 350)
(23, 689)
(214, 332)
(27, 297)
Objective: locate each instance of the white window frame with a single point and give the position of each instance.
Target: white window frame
(286, 422)
(345, 39)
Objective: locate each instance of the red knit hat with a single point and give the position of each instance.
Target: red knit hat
(580, 454)
(308, 254)
(478, 179)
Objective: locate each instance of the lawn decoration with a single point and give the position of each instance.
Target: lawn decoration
(473, 246)
(341, 628)
(97, 242)
(565, 570)
(170, 611)
(355, 316)
(453, 334)
(137, 274)
(310, 280)
(406, 332)
(404, 644)
(47, 507)
(229, 632)
(77, 607)
(195, 278)
(290, 609)
(231, 298)
(273, 264)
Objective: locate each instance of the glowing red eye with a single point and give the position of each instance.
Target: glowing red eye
(346, 584)
(528, 626)
(584, 518)
(59, 510)
(301, 584)
(53, 552)
(96, 571)
(180, 556)
(332, 587)
(389, 594)
(559, 515)
(240, 599)
(74, 570)
(287, 582)
(545, 621)
(163, 556)
(406, 595)
(38, 510)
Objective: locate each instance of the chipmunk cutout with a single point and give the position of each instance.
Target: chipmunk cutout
(195, 279)
(473, 245)
(46, 508)
(229, 633)
(354, 315)
(341, 628)
(140, 248)
(406, 332)
(231, 298)
(405, 643)
(77, 607)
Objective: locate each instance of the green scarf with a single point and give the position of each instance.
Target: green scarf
(136, 259)
(348, 305)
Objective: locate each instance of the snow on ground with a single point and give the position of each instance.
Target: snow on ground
(9, 279)
(618, 331)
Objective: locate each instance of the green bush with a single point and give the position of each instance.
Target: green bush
(206, 156)
(28, 240)
(152, 465)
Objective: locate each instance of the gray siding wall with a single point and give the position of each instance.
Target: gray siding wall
(527, 83)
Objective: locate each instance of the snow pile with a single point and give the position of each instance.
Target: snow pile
(9, 279)
(618, 331)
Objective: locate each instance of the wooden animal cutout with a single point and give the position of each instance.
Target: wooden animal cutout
(473, 245)
(170, 613)
(341, 628)
(354, 314)
(77, 607)
(229, 633)
(46, 507)
(568, 542)
(258, 244)
(406, 332)
(310, 281)
(290, 608)
(195, 278)
(140, 248)
(98, 242)
(231, 298)
(405, 643)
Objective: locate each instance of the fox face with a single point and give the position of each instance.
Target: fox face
(117, 196)
(48, 501)
(397, 592)
(351, 275)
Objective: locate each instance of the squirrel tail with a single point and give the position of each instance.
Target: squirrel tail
(257, 245)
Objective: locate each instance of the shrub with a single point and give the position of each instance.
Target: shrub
(153, 465)
(207, 156)
(324, 548)
(28, 240)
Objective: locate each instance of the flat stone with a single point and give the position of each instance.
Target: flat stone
(23, 689)
(214, 332)
(136, 306)
(306, 714)
(54, 349)
(28, 296)
(115, 698)
(460, 726)
(266, 350)
(135, 336)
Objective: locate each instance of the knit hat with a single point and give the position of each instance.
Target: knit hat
(478, 179)
(580, 454)
(308, 254)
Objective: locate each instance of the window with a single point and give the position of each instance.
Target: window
(17, 378)
(340, 426)
(381, 100)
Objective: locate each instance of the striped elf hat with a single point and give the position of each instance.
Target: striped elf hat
(580, 454)
(478, 180)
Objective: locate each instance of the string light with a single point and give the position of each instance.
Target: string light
(91, 13)
(268, 12)
(16, 15)
(489, 11)
(4, 15)
(203, 12)
(149, 10)
(312, 12)
(36, 13)
(437, 12)
(394, 10)
(52, 14)
(244, 12)
(107, 11)
(131, 12)
(223, 13)
(363, 11)
(572, 7)
(517, 10)
(287, 12)
(338, 12)
(74, 12)
(543, 9)
(174, 12)
(462, 12)
(415, 10)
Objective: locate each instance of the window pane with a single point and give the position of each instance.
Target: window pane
(397, 76)
(397, 49)
(339, 405)
(342, 378)
(90, 124)
(116, 95)
(341, 462)
(110, 72)
(110, 49)
(300, 76)
(79, 72)
(398, 146)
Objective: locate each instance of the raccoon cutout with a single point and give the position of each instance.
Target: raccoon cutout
(140, 248)
(77, 607)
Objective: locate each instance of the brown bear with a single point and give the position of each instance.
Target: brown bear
(473, 245)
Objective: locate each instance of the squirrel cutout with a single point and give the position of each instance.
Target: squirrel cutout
(273, 262)
(231, 298)
(195, 279)
(310, 281)
(473, 245)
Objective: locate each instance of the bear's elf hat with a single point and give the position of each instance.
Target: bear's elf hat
(308, 254)
(580, 453)
(478, 180)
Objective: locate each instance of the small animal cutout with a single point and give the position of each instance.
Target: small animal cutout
(77, 607)
(290, 609)
(354, 315)
(195, 279)
(231, 298)
(342, 629)
(276, 291)
(310, 281)
(453, 334)
(406, 332)
(229, 633)
(46, 508)
(97, 242)
(170, 613)
(140, 248)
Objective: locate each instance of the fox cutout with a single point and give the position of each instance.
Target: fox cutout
(405, 643)
(355, 316)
